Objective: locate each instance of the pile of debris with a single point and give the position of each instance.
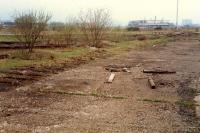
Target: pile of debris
(118, 68)
(156, 71)
(126, 68)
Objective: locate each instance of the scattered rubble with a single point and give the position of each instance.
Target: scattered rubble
(118, 68)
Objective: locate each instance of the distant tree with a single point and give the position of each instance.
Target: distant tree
(69, 29)
(94, 24)
(133, 29)
(29, 26)
(56, 26)
(1, 26)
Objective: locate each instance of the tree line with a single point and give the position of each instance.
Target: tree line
(93, 25)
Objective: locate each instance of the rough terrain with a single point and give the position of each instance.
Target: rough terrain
(80, 100)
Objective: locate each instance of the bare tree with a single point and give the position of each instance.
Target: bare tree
(94, 24)
(29, 26)
(69, 29)
(1, 25)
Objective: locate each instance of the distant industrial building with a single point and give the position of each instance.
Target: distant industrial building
(150, 24)
(187, 23)
(1, 24)
(7, 24)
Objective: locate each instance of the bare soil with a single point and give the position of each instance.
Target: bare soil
(80, 100)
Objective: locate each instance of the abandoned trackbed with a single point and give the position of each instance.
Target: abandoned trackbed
(25, 75)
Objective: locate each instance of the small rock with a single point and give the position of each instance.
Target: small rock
(93, 48)
(49, 87)
(22, 89)
(126, 70)
(139, 65)
(24, 72)
(5, 123)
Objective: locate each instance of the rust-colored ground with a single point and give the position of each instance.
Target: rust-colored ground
(79, 100)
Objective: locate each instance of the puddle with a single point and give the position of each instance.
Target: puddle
(197, 100)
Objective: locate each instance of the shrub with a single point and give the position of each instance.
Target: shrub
(29, 26)
(133, 29)
(158, 28)
(94, 24)
(196, 29)
(26, 55)
(141, 38)
(69, 30)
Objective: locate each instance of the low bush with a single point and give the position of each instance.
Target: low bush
(26, 55)
(133, 29)
(141, 38)
(158, 28)
(196, 29)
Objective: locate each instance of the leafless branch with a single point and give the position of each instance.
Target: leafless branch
(94, 25)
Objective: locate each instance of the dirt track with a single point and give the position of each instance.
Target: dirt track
(79, 100)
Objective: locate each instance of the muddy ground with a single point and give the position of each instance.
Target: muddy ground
(80, 100)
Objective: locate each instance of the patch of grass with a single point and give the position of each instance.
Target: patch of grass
(84, 94)
(155, 101)
(50, 56)
(69, 93)
(19, 58)
(67, 53)
(8, 38)
(125, 46)
(14, 63)
(118, 97)
(186, 104)
(36, 55)
(106, 96)
(120, 47)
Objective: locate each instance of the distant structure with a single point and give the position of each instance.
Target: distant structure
(56, 25)
(1, 24)
(150, 24)
(187, 23)
(7, 24)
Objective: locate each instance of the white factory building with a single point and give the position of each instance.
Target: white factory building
(150, 24)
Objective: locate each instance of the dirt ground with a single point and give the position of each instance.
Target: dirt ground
(80, 100)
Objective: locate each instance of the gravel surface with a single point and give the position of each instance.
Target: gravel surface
(80, 100)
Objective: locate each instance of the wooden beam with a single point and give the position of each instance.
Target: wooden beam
(113, 69)
(159, 71)
(111, 78)
(151, 82)
(126, 70)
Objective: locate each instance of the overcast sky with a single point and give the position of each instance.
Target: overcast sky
(121, 10)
